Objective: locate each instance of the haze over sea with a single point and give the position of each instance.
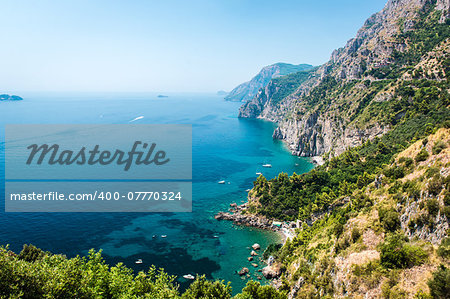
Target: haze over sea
(224, 148)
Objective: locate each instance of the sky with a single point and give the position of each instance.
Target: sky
(167, 45)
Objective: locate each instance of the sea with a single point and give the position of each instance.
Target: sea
(224, 147)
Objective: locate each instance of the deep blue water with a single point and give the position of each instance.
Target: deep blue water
(224, 148)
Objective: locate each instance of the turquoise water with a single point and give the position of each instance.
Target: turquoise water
(224, 148)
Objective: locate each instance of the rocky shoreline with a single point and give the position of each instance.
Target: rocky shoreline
(238, 214)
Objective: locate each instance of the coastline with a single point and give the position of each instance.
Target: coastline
(239, 216)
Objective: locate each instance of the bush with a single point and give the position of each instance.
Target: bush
(432, 206)
(254, 290)
(202, 288)
(406, 161)
(355, 234)
(389, 219)
(440, 283)
(435, 185)
(30, 253)
(395, 172)
(432, 171)
(438, 147)
(396, 252)
(421, 156)
(444, 248)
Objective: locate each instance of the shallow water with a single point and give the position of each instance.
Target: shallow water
(224, 148)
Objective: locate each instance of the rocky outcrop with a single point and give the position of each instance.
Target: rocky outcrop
(271, 272)
(316, 123)
(243, 271)
(240, 217)
(246, 91)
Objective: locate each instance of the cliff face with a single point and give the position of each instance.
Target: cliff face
(331, 109)
(246, 91)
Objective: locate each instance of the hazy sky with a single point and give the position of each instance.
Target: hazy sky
(167, 45)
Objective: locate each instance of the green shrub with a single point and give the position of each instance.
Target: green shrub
(396, 252)
(356, 234)
(440, 283)
(30, 253)
(202, 288)
(406, 161)
(254, 290)
(435, 185)
(432, 206)
(395, 172)
(432, 171)
(389, 219)
(421, 156)
(272, 249)
(444, 248)
(438, 147)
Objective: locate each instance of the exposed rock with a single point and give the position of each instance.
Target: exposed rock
(256, 246)
(243, 271)
(240, 218)
(255, 265)
(246, 91)
(253, 253)
(312, 129)
(270, 272)
(250, 258)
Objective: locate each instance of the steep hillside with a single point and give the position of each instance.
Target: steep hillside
(372, 222)
(246, 91)
(367, 87)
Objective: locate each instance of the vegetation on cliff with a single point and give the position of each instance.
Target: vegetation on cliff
(377, 222)
(246, 91)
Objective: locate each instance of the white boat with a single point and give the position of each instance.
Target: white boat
(189, 276)
(221, 182)
(137, 118)
(139, 261)
(248, 190)
(163, 236)
(258, 173)
(267, 165)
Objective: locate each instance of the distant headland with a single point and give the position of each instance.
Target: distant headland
(7, 97)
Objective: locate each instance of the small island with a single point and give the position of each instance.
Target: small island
(7, 97)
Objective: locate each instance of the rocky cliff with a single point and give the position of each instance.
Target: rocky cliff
(338, 105)
(246, 91)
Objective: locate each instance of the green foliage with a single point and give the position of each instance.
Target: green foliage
(444, 248)
(356, 234)
(272, 249)
(432, 206)
(421, 156)
(254, 290)
(283, 86)
(390, 219)
(440, 283)
(438, 147)
(37, 274)
(204, 289)
(30, 253)
(397, 252)
(435, 185)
